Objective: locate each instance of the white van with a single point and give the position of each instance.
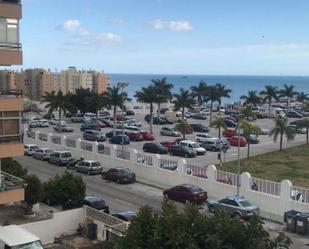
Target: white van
(60, 157)
(193, 145)
(15, 237)
(276, 112)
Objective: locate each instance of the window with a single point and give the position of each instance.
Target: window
(9, 126)
(8, 32)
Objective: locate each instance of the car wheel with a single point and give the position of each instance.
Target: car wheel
(237, 216)
(211, 209)
(198, 140)
(213, 149)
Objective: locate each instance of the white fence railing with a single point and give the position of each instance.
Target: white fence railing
(300, 194)
(104, 149)
(227, 178)
(144, 159)
(43, 137)
(70, 142)
(86, 146)
(268, 187)
(123, 154)
(56, 139)
(196, 170)
(168, 164)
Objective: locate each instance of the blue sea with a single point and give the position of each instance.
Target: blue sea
(239, 85)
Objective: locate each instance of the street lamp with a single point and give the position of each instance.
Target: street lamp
(122, 85)
(238, 159)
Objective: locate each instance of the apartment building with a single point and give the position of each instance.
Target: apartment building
(100, 82)
(11, 103)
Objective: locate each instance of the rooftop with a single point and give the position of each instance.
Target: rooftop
(13, 235)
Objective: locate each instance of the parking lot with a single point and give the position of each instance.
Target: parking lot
(266, 143)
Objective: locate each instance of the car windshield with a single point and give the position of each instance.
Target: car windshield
(33, 147)
(66, 154)
(245, 203)
(48, 151)
(96, 164)
(98, 204)
(126, 171)
(195, 189)
(195, 145)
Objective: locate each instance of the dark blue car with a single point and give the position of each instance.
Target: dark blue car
(119, 139)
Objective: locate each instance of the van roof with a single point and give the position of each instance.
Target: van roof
(14, 235)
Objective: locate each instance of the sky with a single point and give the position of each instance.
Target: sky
(222, 37)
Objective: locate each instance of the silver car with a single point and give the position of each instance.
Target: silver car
(89, 167)
(236, 206)
(43, 154)
(169, 131)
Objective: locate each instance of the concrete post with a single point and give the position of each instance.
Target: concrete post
(36, 135)
(181, 165)
(211, 173)
(95, 147)
(64, 140)
(285, 196)
(156, 160)
(245, 180)
(78, 143)
(113, 149)
(49, 137)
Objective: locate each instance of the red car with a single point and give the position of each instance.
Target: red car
(147, 136)
(99, 123)
(229, 132)
(186, 192)
(234, 141)
(168, 144)
(119, 117)
(135, 136)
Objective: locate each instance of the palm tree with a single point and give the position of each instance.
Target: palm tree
(288, 92)
(147, 95)
(163, 91)
(222, 92)
(212, 96)
(302, 97)
(183, 100)
(218, 123)
(199, 92)
(114, 98)
(59, 101)
(50, 99)
(252, 99)
(95, 102)
(184, 127)
(270, 93)
(304, 123)
(281, 128)
(248, 129)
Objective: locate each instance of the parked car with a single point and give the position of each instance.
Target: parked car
(55, 121)
(33, 123)
(225, 143)
(104, 113)
(43, 123)
(230, 123)
(294, 114)
(130, 113)
(135, 136)
(166, 120)
(147, 136)
(89, 126)
(119, 175)
(169, 144)
(120, 139)
(98, 123)
(198, 116)
(163, 110)
(60, 157)
(193, 145)
(203, 137)
(186, 192)
(93, 135)
(296, 129)
(96, 203)
(252, 139)
(154, 147)
(105, 121)
(30, 149)
(132, 128)
(229, 132)
(199, 128)
(155, 120)
(236, 206)
(127, 216)
(77, 118)
(118, 117)
(232, 118)
(42, 154)
(89, 166)
(63, 128)
(111, 133)
(234, 141)
(169, 131)
(179, 150)
(212, 144)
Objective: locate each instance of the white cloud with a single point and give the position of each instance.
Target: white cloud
(80, 35)
(71, 25)
(176, 26)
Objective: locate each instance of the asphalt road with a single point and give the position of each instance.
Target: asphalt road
(266, 143)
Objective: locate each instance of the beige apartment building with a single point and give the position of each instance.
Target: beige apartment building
(11, 103)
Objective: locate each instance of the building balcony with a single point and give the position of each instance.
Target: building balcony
(11, 146)
(10, 103)
(10, 53)
(11, 189)
(10, 9)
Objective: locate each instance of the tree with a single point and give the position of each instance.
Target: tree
(270, 93)
(212, 96)
(184, 128)
(95, 102)
(51, 99)
(12, 167)
(302, 97)
(252, 99)
(288, 92)
(222, 92)
(163, 91)
(33, 192)
(190, 229)
(115, 98)
(218, 123)
(183, 100)
(282, 129)
(149, 96)
(304, 123)
(199, 92)
(79, 99)
(248, 129)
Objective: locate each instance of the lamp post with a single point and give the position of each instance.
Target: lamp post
(238, 162)
(122, 85)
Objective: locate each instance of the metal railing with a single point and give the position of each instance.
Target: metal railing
(103, 149)
(56, 139)
(11, 139)
(125, 154)
(144, 159)
(43, 137)
(196, 170)
(11, 1)
(10, 182)
(31, 134)
(10, 46)
(299, 194)
(226, 177)
(86, 146)
(70, 142)
(168, 164)
(268, 187)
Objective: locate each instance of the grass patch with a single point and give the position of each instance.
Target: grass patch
(291, 164)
